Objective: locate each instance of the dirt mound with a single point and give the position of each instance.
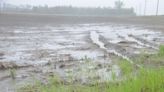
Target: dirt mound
(1, 54)
(7, 65)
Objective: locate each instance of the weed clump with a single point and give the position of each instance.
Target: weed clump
(161, 50)
(126, 67)
(12, 73)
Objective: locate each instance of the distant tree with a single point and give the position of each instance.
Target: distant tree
(46, 6)
(119, 4)
(1, 5)
(35, 8)
(1, 1)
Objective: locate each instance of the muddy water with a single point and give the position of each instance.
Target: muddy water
(77, 52)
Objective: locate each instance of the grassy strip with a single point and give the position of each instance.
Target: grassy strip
(146, 79)
(161, 50)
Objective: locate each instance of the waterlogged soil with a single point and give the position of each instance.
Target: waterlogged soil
(76, 52)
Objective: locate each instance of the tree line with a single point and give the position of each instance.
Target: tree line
(118, 10)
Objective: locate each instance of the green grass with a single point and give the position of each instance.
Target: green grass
(161, 50)
(148, 80)
(12, 73)
(145, 79)
(126, 67)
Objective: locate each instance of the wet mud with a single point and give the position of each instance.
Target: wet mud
(78, 53)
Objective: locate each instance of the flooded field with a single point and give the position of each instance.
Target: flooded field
(79, 52)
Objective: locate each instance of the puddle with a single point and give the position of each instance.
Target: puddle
(81, 54)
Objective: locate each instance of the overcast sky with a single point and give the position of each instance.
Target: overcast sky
(138, 5)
